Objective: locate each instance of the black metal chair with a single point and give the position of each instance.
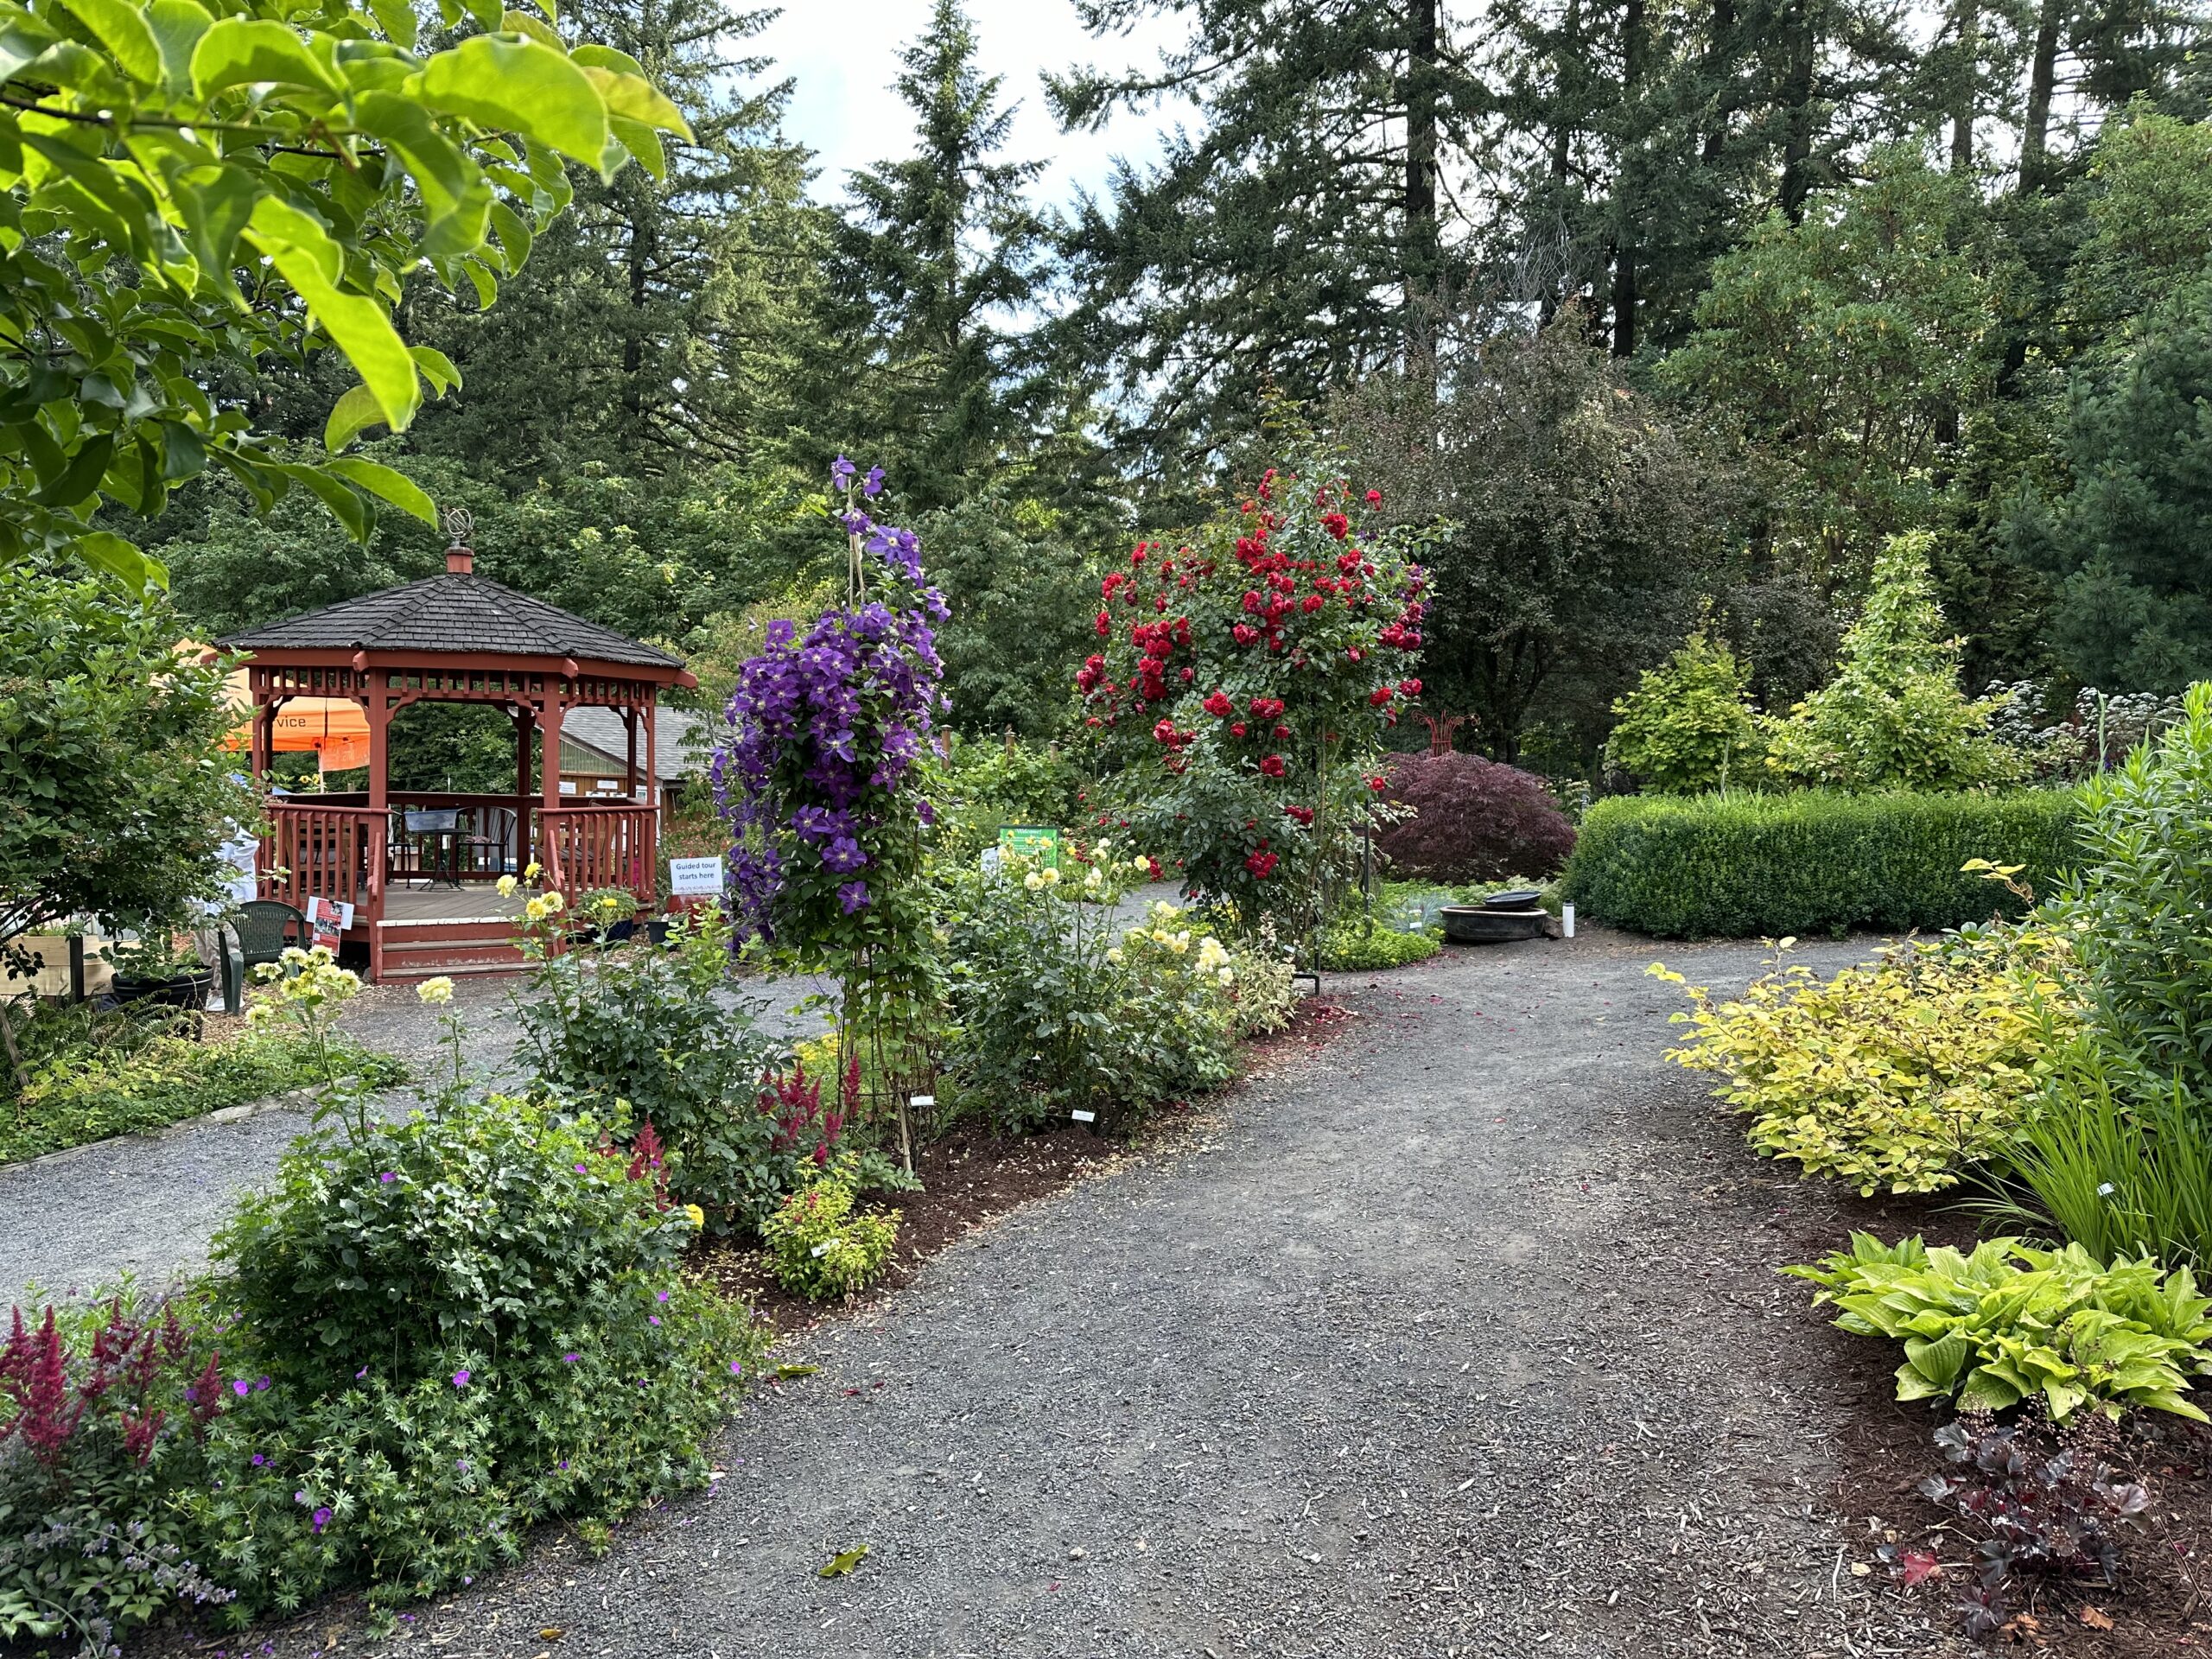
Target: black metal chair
(260, 931)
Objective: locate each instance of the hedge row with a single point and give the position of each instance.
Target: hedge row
(1742, 865)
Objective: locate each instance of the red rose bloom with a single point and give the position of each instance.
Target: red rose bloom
(1237, 730)
(1379, 696)
(1272, 765)
(1262, 865)
(1375, 497)
(1219, 706)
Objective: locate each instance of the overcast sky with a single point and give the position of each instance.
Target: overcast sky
(843, 108)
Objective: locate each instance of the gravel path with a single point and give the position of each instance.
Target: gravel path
(1457, 1335)
(147, 1204)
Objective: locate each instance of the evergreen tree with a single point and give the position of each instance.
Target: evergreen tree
(660, 321)
(931, 268)
(1301, 236)
(2127, 541)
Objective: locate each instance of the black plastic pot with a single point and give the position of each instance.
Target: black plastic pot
(183, 991)
(1478, 925)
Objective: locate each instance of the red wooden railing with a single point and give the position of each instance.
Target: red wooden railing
(596, 847)
(315, 849)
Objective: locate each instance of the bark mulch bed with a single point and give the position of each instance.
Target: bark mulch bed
(2162, 1604)
(975, 1175)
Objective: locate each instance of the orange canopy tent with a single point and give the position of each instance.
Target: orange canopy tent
(336, 728)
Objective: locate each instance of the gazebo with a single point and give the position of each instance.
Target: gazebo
(419, 867)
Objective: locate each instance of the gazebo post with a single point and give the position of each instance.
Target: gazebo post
(629, 758)
(652, 770)
(518, 716)
(549, 778)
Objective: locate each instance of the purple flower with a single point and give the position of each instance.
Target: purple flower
(568, 1359)
(853, 896)
(736, 1369)
(300, 1497)
(652, 1318)
(258, 1459)
(321, 1518)
(461, 1379)
(662, 1297)
(388, 1175)
(840, 473)
(261, 1384)
(359, 1375)
(241, 1388)
(583, 1169)
(873, 485)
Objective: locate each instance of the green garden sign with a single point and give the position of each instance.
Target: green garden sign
(1032, 841)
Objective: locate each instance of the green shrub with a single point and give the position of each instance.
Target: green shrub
(2139, 914)
(981, 787)
(658, 1029)
(1688, 726)
(2007, 1323)
(1056, 1010)
(469, 1322)
(819, 1246)
(93, 1081)
(1894, 717)
(1896, 1077)
(1753, 866)
(1357, 947)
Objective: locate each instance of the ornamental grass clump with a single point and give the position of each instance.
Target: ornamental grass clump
(2006, 1324)
(819, 1246)
(1898, 1077)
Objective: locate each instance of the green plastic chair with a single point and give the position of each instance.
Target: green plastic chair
(259, 932)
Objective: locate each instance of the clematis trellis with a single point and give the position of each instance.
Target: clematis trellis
(1243, 682)
(818, 781)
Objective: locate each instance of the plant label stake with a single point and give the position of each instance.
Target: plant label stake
(825, 1247)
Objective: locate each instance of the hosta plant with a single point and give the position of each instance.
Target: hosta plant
(2006, 1323)
(1894, 1076)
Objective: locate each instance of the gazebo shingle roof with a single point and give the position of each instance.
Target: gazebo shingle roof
(456, 612)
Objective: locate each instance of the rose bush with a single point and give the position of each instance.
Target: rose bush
(1242, 684)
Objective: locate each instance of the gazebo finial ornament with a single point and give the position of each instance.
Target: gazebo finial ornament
(460, 523)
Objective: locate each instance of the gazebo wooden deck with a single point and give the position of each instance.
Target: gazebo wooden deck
(419, 867)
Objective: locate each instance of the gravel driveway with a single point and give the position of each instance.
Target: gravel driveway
(1457, 1336)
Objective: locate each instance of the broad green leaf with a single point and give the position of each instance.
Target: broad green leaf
(310, 261)
(122, 28)
(345, 506)
(519, 86)
(521, 23)
(82, 476)
(105, 550)
(354, 412)
(219, 204)
(178, 25)
(394, 486)
(1939, 1360)
(642, 142)
(456, 199)
(515, 239)
(396, 18)
(595, 56)
(244, 52)
(22, 39)
(838, 1566)
(638, 99)
(437, 368)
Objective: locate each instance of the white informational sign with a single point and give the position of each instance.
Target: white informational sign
(567, 787)
(993, 861)
(695, 878)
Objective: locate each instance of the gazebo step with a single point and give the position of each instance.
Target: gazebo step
(416, 950)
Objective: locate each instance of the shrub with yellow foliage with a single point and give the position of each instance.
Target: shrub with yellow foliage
(1895, 1076)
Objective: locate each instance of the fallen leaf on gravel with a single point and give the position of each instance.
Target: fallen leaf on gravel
(2094, 1620)
(551, 1633)
(785, 1372)
(838, 1566)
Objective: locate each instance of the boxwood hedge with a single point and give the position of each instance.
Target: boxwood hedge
(1741, 865)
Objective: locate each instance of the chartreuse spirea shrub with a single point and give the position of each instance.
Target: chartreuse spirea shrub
(820, 1246)
(1356, 945)
(468, 1323)
(1761, 866)
(1899, 1075)
(2006, 1323)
